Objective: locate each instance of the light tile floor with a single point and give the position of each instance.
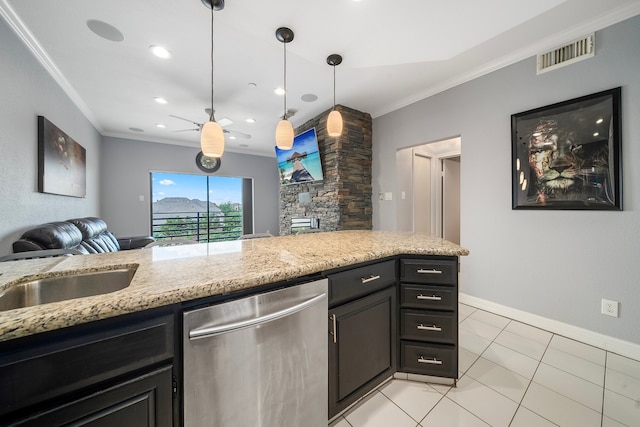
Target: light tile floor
(511, 374)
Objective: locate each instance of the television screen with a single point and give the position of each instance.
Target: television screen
(302, 162)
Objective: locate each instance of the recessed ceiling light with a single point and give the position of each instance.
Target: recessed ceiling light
(279, 91)
(232, 137)
(160, 100)
(160, 52)
(250, 120)
(104, 30)
(599, 121)
(596, 134)
(309, 97)
(160, 125)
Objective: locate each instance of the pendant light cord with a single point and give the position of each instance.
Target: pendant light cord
(284, 117)
(211, 115)
(334, 87)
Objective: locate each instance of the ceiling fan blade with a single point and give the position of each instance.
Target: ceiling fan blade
(237, 133)
(186, 130)
(186, 120)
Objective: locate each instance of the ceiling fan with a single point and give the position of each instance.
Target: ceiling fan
(199, 125)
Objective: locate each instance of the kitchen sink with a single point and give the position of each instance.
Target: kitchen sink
(62, 288)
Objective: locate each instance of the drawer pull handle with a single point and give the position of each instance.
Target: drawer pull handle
(369, 279)
(429, 298)
(433, 361)
(432, 271)
(433, 328)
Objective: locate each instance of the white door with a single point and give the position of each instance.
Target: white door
(451, 199)
(421, 193)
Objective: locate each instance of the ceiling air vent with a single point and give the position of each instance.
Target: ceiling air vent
(570, 53)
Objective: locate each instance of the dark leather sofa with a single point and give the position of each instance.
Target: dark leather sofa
(88, 235)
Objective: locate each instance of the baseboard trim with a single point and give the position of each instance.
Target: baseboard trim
(605, 342)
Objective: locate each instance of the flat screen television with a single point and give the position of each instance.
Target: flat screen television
(302, 162)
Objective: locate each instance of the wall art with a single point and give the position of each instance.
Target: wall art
(61, 162)
(567, 155)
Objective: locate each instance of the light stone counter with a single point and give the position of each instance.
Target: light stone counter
(172, 274)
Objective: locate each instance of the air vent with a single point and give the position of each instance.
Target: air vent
(570, 53)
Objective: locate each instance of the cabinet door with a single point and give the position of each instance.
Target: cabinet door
(362, 336)
(145, 401)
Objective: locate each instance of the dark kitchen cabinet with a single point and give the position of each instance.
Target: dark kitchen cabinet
(362, 332)
(142, 402)
(429, 316)
(116, 372)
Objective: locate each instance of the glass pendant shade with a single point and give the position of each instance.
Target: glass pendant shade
(212, 139)
(334, 123)
(284, 135)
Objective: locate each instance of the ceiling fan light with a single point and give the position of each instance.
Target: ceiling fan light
(212, 139)
(334, 123)
(284, 135)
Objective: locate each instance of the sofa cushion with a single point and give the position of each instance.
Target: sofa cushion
(89, 227)
(95, 237)
(53, 235)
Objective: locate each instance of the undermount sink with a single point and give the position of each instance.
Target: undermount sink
(62, 288)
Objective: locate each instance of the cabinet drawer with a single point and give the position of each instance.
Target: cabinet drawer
(428, 297)
(429, 359)
(351, 284)
(428, 326)
(437, 272)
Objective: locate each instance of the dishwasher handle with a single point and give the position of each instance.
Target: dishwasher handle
(198, 333)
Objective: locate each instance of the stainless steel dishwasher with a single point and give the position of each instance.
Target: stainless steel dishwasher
(258, 361)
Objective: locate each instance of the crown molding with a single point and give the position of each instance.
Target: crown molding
(20, 29)
(533, 49)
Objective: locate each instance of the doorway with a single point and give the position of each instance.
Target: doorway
(428, 180)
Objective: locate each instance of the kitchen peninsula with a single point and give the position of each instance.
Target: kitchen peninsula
(173, 274)
(172, 278)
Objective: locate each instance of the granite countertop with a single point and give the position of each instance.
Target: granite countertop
(173, 274)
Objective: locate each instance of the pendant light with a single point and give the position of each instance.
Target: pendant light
(211, 134)
(334, 121)
(284, 131)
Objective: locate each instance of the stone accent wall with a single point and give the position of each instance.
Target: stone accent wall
(342, 201)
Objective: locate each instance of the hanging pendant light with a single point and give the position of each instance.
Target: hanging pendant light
(211, 134)
(284, 131)
(334, 121)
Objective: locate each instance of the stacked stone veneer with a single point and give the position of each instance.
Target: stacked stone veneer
(342, 201)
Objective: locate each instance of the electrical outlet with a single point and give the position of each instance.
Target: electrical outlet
(610, 308)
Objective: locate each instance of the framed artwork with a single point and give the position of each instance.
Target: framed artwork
(61, 162)
(302, 162)
(567, 155)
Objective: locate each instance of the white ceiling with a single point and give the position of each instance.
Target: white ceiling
(394, 53)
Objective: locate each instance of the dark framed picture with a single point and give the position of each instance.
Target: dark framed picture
(567, 155)
(61, 162)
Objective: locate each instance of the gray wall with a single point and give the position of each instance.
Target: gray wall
(556, 264)
(27, 91)
(126, 164)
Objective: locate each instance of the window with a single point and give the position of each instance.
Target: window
(200, 208)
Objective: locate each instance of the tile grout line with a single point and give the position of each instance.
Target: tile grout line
(399, 407)
(531, 381)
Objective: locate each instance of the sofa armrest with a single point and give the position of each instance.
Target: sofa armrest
(136, 242)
